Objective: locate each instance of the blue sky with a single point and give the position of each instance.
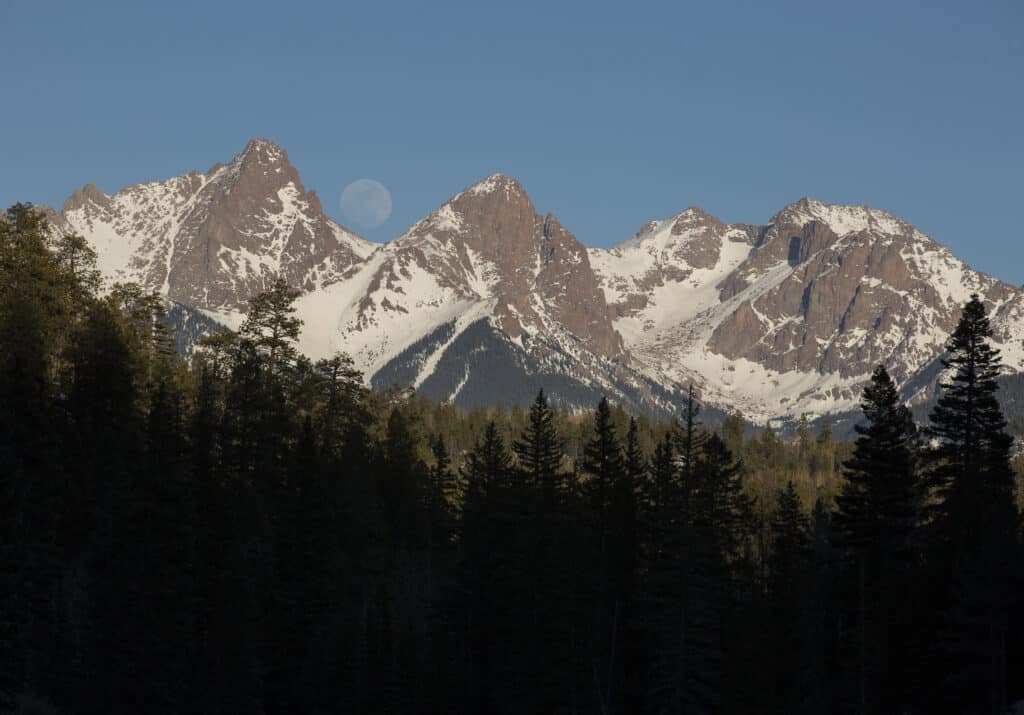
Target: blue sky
(610, 114)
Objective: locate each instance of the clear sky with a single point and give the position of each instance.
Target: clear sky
(610, 114)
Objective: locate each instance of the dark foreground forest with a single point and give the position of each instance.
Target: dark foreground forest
(250, 532)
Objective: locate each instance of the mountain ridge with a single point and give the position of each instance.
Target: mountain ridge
(778, 319)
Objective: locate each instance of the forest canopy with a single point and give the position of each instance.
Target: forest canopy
(244, 530)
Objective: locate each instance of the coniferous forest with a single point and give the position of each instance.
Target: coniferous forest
(246, 531)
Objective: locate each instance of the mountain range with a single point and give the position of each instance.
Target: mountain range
(484, 300)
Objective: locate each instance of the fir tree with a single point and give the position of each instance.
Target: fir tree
(271, 326)
(789, 566)
(974, 523)
(446, 493)
(551, 605)
(877, 511)
(605, 469)
(539, 452)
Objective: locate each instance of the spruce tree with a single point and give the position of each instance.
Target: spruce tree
(974, 522)
(492, 570)
(149, 598)
(32, 316)
(271, 325)
(551, 611)
(789, 566)
(445, 494)
(690, 440)
(539, 452)
(876, 513)
(605, 474)
(624, 560)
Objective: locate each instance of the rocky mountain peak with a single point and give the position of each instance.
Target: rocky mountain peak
(213, 240)
(841, 219)
(87, 194)
(263, 151)
(778, 319)
(494, 217)
(262, 168)
(693, 218)
(501, 184)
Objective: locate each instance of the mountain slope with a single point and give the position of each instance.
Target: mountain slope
(214, 240)
(484, 300)
(792, 316)
(484, 273)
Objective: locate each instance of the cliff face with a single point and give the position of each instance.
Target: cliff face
(214, 240)
(791, 316)
(776, 320)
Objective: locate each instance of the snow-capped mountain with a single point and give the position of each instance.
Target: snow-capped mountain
(791, 317)
(485, 300)
(480, 302)
(214, 240)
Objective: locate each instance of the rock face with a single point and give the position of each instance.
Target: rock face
(484, 274)
(487, 247)
(792, 316)
(214, 240)
(485, 300)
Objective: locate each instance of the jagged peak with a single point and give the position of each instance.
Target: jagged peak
(449, 215)
(663, 230)
(479, 197)
(262, 145)
(693, 217)
(493, 184)
(262, 153)
(89, 193)
(696, 212)
(841, 218)
(260, 161)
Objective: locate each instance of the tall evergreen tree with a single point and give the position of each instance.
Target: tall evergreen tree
(272, 327)
(447, 491)
(33, 315)
(492, 572)
(551, 608)
(148, 603)
(877, 511)
(789, 564)
(539, 452)
(690, 442)
(604, 468)
(975, 523)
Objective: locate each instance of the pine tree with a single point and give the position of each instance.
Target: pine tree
(690, 441)
(488, 465)
(803, 436)
(789, 566)
(343, 414)
(271, 326)
(877, 511)
(551, 609)
(975, 522)
(717, 515)
(627, 493)
(625, 560)
(153, 343)
(492, 572)
(446, 493)
(32, 316)
(149, 599)
(539, 452)
(605, 469)
(104, 449)
(402, 482)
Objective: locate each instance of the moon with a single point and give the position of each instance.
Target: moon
(366, 202)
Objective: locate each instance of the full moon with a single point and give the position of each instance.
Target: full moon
(366, 202)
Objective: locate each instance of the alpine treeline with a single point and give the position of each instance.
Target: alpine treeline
(247, 531)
